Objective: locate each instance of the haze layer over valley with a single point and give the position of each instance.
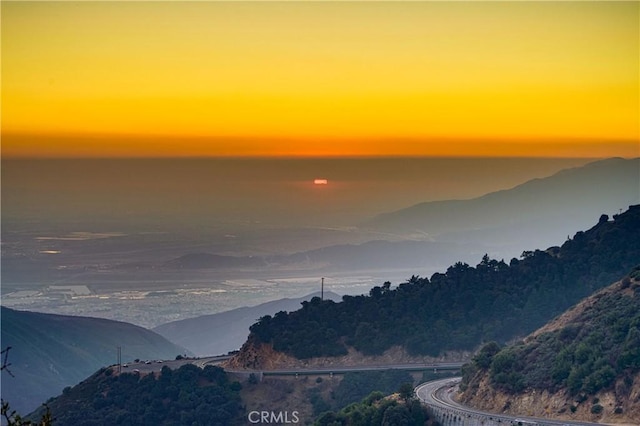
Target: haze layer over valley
(152, 241)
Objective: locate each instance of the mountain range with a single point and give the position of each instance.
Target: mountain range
(459, 309)
(538, 213)
(534, 214)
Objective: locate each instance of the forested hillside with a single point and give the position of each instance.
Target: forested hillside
(400, 409)
(590, 353)
(465, 306)
(187, 396)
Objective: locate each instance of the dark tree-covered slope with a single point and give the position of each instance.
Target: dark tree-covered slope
(375, 409)
(465, 306)
(187, 396)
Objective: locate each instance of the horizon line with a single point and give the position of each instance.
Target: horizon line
(116, 145)
(315, 157)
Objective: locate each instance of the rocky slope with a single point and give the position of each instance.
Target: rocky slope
(255, 355)
(591, 397)
(560, 404)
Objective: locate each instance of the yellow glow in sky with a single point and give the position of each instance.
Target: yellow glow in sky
(320, 78)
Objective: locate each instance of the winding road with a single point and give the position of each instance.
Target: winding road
(438, 396)
(145, 367)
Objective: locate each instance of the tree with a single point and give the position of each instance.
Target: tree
(11, 418)
(406, 392)
(485, 356)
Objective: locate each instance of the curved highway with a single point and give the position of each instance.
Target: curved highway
(438, 396)
(354, 368)
(145, 367)
(148, 366)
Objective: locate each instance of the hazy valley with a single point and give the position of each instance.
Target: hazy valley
(196, 237)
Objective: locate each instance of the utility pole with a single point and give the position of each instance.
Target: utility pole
(322, 289)
(119, 359)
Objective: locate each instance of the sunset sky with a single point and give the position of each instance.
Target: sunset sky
(94, 79)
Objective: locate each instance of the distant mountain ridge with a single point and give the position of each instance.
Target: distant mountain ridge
(226, 331)
(537, 213)
(368, 256)
(49, 352)
(208, 260)
(540, 209)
